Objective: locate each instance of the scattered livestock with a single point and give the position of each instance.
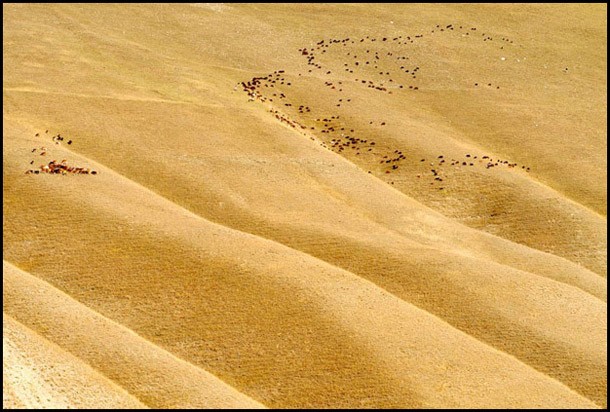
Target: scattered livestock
(331, 133)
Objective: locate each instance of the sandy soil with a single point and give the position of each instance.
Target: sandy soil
(249, 206)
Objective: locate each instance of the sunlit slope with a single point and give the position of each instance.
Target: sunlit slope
(38, 374)
(151, 374)
(276, 324)
(393, 241)
(247, 248)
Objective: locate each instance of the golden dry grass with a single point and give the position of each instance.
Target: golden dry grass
(38, 374)
(222, 258)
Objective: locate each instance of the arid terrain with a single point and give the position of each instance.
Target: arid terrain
(290, 206)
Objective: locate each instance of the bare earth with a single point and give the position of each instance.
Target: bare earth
(290, 206)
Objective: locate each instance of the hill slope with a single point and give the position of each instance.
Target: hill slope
(340, 205)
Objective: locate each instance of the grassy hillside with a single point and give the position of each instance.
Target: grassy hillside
(307, 206)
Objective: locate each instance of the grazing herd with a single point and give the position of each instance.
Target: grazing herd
(383, 69)
(55, 167)
(437, 173)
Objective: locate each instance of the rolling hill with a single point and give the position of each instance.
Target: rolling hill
(250, 205)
